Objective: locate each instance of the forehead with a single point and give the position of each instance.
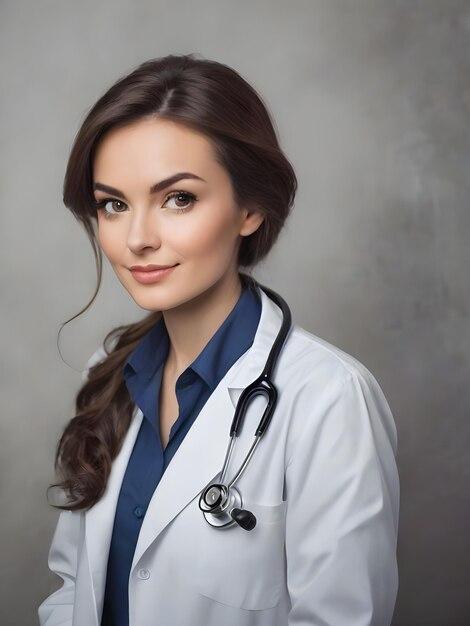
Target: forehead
(153, 146)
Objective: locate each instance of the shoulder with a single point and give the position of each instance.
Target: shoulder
(333, 390)
(310, 355)
(99, 355)
(313, 369)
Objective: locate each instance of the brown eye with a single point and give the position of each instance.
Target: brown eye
(114, 206)
(179, 200)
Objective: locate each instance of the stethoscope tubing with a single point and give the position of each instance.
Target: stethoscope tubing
(263, 385)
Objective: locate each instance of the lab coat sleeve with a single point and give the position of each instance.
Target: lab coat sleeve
(342, 508)
(57, 609)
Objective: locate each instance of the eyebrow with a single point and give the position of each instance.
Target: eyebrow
(163, 184)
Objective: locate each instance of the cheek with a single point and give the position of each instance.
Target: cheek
(210, 238)
(108, 240)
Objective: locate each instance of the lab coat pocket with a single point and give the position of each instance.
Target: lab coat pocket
(244, 569)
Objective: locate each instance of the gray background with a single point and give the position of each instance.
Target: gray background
(372, 102)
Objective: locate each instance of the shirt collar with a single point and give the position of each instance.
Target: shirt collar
(150, 353)
(230, 341)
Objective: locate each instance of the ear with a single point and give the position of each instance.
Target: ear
(251, 221)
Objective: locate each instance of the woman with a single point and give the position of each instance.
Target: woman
(179, 169)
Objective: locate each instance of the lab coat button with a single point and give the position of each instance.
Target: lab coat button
(143, 574)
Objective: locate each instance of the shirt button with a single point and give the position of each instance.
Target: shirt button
(143, 574)
(139, 512)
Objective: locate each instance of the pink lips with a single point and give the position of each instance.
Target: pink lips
(150, 274)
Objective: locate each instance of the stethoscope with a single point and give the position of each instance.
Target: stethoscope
(221, 503)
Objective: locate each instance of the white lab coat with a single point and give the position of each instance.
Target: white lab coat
(322, 484)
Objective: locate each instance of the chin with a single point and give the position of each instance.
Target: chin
(158, 302)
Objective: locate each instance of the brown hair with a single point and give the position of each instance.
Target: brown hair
(210, 98)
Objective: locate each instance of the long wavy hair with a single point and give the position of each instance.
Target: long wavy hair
(213, 99)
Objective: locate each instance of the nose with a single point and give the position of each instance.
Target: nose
(143, 232)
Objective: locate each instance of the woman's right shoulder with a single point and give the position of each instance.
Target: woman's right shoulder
(125, 335)
(99, 355)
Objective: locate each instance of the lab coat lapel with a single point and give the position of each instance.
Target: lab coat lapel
(194, 464)
(99, 520)
(200, 456)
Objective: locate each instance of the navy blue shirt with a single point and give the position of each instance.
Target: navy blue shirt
(148, 461)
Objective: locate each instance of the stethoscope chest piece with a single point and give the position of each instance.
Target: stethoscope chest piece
(217, 504)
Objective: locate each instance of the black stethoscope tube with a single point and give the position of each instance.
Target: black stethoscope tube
(222, 504)
(263, 384)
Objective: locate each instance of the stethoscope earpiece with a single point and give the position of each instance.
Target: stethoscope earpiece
(222, 504)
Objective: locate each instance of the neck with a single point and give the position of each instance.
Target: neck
(190, 327)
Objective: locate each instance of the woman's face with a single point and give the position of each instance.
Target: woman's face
(167, 218)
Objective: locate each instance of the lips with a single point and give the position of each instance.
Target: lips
(149, 268)
(150, 274)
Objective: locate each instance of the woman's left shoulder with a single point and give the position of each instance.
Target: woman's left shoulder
(324, 360)
(332, 387)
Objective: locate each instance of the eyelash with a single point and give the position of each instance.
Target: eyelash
(101, 204)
